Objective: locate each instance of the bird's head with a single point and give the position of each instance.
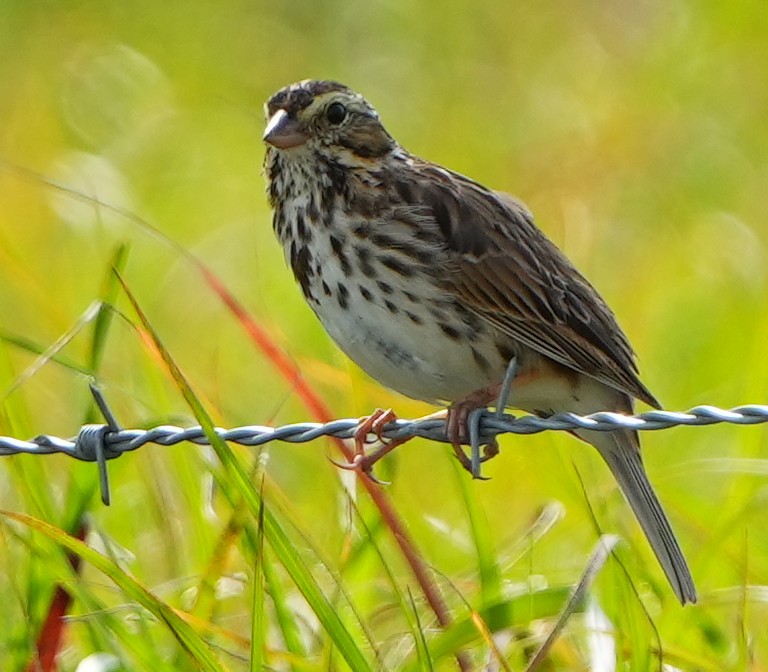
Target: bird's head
(325, 117)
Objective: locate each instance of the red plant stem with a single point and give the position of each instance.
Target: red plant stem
(52, 632)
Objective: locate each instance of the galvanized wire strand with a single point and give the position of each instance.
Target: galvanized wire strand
(101, 442)
(115, 442)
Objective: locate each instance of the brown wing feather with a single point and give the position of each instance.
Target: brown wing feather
(510, 274)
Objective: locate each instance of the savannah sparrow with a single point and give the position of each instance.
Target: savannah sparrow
(432, 283)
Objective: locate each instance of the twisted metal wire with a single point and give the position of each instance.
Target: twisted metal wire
(115, 442)
(102, 442)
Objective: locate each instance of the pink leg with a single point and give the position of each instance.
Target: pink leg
(373, 424)
(457, 430)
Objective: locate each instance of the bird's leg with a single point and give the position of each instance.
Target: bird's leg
(460, 419)
(373, 424)
(457, 428)
(457, 425)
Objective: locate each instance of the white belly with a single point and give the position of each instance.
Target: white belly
(391, 334)
(414, 359)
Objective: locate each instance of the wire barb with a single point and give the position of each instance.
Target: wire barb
(90, 444)
(506, 385)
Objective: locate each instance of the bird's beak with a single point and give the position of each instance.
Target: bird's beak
(283, 132)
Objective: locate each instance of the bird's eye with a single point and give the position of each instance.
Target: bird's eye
(336, 113)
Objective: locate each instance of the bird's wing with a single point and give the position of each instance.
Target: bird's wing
(506, 271)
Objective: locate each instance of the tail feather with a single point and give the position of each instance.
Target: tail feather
(621, 451)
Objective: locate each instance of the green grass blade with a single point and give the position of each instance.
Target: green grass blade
(599, 556)
(108, 295)
(286, 620)
(488, 568)
(197, 649)
(515, 612)
(258, 620)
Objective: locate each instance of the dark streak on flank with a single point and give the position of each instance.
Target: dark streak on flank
(450, 332)
(342, 295)
(301, 264)
(303, 232)
(337, 246)
(481, 361)
(417, 253)
(437, 313)
(387, 242)
(391, 307)
(364, 261)
(383, 241)
(278, 220)
(313, 213)
(398, 266)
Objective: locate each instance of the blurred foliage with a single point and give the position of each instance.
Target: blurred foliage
(636, 132)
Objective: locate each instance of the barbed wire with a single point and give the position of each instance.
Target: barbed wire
(121, 441)
(102, 442)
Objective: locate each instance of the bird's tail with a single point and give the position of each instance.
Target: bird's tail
(621, 451)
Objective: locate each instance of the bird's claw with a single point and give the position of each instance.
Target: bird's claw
(362, 465)
(373, 424)
(490, 450)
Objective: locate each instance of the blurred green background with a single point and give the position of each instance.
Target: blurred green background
(636, 132)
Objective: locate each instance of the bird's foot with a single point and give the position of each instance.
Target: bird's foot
(457, 429)
(373, 424)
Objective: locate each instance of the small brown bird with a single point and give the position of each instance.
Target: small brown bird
(432, 283)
